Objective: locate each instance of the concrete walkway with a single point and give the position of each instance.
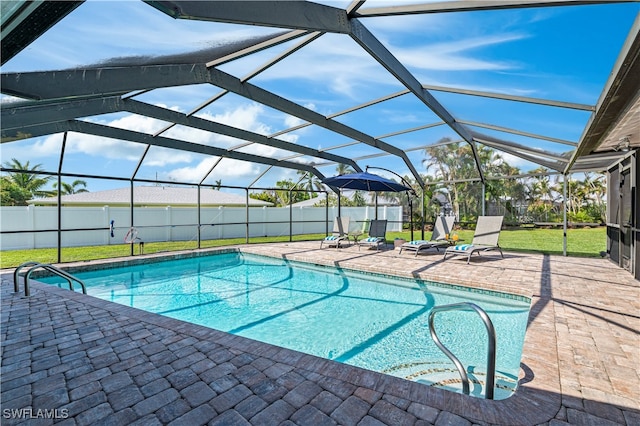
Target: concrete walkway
(70, 359)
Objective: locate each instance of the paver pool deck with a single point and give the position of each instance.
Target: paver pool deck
(73, 359)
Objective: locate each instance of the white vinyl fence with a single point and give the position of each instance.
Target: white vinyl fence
(87, 226)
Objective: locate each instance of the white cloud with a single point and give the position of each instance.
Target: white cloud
(514, 161)
(161, 157)
(338, 62)
(244, 117)
(136, 123)
(47, 146)
(449, 56)
(226, 170)
(347, 71)
(291, 121)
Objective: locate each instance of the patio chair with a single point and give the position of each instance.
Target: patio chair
(377, 235)
(485, 238)
(442, 227)
(339, 233)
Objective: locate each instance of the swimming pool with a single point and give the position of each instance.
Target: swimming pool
(372, 321)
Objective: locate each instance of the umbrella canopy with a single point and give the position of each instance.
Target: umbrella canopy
(365, 182)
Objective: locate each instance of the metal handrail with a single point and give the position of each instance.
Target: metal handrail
(35, 265)
(491, 353)
(16, 286)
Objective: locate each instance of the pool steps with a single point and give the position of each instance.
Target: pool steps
(441, 374)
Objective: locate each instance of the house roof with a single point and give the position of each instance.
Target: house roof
(368, 198)
(153, 196)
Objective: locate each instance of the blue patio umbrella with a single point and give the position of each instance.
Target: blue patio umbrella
(365, 181)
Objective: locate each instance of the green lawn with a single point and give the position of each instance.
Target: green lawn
(587, 242)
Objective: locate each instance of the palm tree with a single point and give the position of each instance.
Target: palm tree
(507, 193)
(26, 178)
(309, 181)
(68, 189)
(454, 161)
(541, 194)
(343, 169)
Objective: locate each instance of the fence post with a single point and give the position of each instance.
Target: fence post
(168, 223)
(222, 221)
(246, 208)
(31, 214)
(564, 215)
(105, 218)
(199, 215)
(264, 220)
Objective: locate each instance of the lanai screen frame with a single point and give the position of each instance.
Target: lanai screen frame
(57, 100)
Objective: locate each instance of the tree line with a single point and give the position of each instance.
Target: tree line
(534, 198)
(451, 172)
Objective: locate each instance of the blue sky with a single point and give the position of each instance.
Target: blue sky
(558, 53)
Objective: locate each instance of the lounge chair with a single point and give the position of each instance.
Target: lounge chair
(377, 235)
(339, 233)
(442, 227)
(485, 238)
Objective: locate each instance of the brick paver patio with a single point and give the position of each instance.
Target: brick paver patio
(77, 360)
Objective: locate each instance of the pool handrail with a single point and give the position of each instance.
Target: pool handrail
(16, 274)
(35, 265)
(491, 353)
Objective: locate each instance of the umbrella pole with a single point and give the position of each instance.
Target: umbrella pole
(424, 213)
(410, 214)
(376, 205)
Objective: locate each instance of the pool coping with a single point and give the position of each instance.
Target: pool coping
(539, 381)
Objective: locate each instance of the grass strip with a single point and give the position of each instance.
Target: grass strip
(583, 242)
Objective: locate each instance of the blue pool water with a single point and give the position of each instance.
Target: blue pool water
(371, 321)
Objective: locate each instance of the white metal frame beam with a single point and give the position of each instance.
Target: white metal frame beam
(518, 132)
(505, 97)
(470, 6)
